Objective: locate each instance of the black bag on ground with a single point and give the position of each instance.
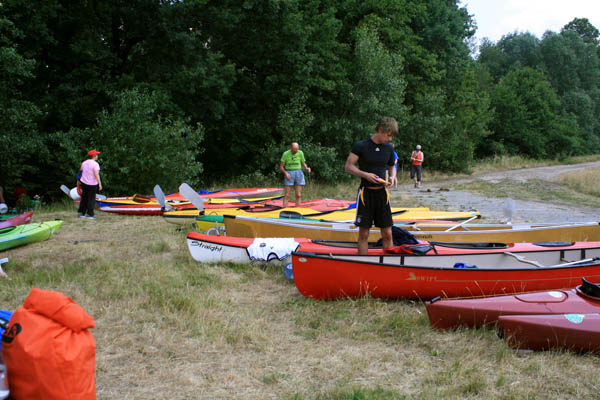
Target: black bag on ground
(400, 236)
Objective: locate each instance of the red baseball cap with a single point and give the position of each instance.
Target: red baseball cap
(93, 152)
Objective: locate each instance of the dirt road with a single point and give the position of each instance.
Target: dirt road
(442, 195)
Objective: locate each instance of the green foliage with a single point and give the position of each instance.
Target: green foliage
(141, 146)
(377, 82)
(24, 203)
(528, 117)
(18, 135)
(582, 27)
(559, 116)
(245, 78)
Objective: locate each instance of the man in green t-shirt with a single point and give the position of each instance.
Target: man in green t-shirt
(291, 165)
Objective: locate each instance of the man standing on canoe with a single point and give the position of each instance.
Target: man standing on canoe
(291, 165)
(90, 185)
(375, 158)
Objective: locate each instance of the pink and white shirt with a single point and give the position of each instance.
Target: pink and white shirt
(87, 172)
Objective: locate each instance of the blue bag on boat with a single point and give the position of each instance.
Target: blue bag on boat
(4, 320)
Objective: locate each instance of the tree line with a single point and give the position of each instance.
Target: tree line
(205, 91)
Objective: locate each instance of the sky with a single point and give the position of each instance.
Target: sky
(498, 17)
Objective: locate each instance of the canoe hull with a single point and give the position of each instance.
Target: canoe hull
(323, 277)
(577, 332)
(449, 314)
(21, 219)
(217, 249)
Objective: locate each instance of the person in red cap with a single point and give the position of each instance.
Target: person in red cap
(90, 185)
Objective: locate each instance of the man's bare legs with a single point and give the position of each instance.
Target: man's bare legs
(298, 189)
(286, 197)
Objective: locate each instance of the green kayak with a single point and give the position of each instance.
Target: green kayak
(14, 236)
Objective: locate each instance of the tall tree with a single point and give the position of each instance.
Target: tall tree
(18, 119)
(584, 29)
(528, 119)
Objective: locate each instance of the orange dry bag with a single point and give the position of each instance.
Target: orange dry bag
(48, 350)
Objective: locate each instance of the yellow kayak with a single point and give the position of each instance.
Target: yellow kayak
(399, 213)
(189, 216)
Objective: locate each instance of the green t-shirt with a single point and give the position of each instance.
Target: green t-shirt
(293, 161)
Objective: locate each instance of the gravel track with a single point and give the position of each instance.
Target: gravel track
(441, 195)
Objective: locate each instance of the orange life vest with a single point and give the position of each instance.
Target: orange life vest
(416, 157)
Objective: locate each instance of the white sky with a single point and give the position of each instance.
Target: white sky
(498, 17)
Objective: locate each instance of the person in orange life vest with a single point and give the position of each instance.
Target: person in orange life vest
(90, 185)
(416, 159)
(375, 157)
(291, 165)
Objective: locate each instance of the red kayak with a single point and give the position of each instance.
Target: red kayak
(246, 193)
(153, 208)
(447, 314)
(331, 276)
(21, 219)
(576, 332)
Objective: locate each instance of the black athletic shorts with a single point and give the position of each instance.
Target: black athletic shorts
(373, 206)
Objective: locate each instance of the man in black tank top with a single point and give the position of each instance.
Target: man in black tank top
(375, 157)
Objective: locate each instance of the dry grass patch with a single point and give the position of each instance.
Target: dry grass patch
(533, 189)
(583, 181)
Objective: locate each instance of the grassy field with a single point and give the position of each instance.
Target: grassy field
(168, 327)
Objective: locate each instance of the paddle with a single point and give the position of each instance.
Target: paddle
(67, 191)
(193, 197)
(462, 223)
(585, 260)
(160, 197)
(509, 210)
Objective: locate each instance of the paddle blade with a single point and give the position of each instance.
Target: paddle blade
(160, 197)
(65, 190)
(193, 197)
(509, 209)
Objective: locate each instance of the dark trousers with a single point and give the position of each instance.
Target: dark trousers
(88, 199)
(415, 170)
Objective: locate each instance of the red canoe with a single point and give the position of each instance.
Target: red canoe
(331, 277)
(447, 314)
(21, 219)
(576, 332)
